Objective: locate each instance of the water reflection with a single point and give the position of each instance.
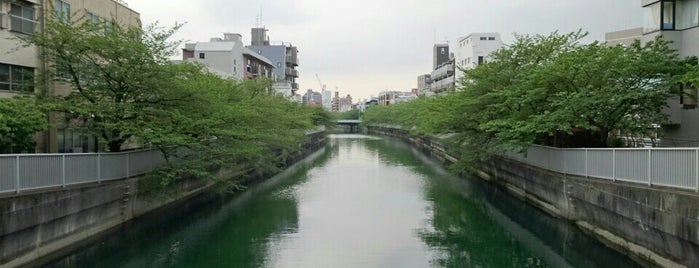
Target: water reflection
(362, 202)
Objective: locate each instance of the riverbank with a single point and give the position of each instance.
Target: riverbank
(38, 226)
(654, 226)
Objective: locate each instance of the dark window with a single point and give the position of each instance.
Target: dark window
(202, 55)
(491, 38)
(62, 10)
(484, 38)
(22, 18)
(16, 78)
(480, 60)
(108, 26)
(668, 15)
(93, 19)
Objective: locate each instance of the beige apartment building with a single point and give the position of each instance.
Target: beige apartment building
(18, 63)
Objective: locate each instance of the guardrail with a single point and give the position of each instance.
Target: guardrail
(21, 172)
(670, 167)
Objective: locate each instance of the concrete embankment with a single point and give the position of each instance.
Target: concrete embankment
(40, 225)
(653, 225)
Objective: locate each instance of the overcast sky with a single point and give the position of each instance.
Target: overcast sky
(363, 47)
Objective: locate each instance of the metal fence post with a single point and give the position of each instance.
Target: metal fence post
(99, 168)
(565, 154)
(586, 173)
(17, 173)
(614, 165)
(650, 154)
(127, 164)
(63, 171)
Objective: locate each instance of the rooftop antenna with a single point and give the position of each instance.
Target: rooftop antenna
(258, 19)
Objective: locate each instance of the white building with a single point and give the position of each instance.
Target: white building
(327, 99)
(228, 57)
(474, 49)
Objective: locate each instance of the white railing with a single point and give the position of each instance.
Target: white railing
(671, 167)
(21, 172)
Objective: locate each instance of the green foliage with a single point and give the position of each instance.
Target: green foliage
(127, 90)
(115, 74)
(20, 119)
(321, 117)
(349, 115)
(549, 90)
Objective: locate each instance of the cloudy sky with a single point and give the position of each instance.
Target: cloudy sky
(363, 47)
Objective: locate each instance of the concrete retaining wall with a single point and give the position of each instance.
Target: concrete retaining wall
(654, 226)
(39, 225)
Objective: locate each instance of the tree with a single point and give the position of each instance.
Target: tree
(20, 119)
(114, 73)
(126, 90)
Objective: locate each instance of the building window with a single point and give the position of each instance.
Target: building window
(443, 51)
(480, 60)
(62, 71)
(16, 78)
(93, 19)
(108, 26)
(22, 18)
(668, 15)
(202, 55)
(483, 38)
(651, 18)
(491, 38)
(62, 10)
(687, 14)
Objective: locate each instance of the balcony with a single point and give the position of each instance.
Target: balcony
(295, 86)
(292, 56)
(442, 85)
(443, 71)
(291, 72)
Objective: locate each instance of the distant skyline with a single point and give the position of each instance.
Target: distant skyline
(363, 47)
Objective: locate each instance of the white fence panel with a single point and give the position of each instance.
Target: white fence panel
(557, 160)
(36, 171)
(113, 166)
(81, 168)
(632, 165)
(600, 164)
(674, 168)
(575, 161)
(8, 173)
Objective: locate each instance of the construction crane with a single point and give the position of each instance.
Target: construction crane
(322, 86)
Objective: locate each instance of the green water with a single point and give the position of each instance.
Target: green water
(361, 202)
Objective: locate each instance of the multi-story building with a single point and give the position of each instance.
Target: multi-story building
(312, 98)
(327, 99)
(424, 84)
(228, 57)
(625, 37)
(19, 63)
(345, 103)
(473, 50)
(283, 56)
(393, 97)
(677, 21)
(442, 76)
(341, 104)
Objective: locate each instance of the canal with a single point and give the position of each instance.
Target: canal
(361, 202)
